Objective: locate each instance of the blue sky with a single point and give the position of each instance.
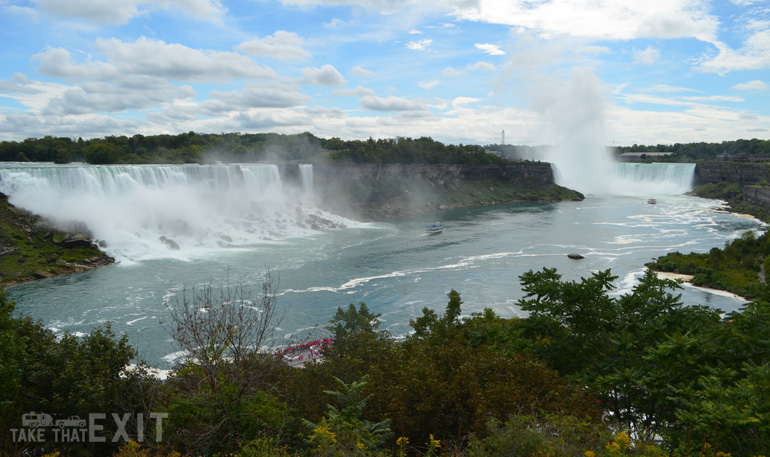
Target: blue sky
(460, 71)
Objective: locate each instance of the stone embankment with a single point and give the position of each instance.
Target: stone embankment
(734, 172)
(757, 195)
(751, 177)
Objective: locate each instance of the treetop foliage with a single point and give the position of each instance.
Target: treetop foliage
(195, 147)
(236, 147)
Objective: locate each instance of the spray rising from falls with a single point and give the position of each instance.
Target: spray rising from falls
(146, 211)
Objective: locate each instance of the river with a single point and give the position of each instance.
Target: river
(323, 261)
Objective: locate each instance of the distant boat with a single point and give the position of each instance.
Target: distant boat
(438, 227)
(652, 201)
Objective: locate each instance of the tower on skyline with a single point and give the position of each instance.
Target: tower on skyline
(502, 140)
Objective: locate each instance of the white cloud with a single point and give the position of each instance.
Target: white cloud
(16, 10)
(20, 84)
(112, 12)
(751, 85)
(754, 54)
(327, 75)
(358, 91)
(595, 50)
(415, 32)
(281, 45)
(429, 84)
(155, 58)
(602, 19)
(98, 96)
(482, 66)
(667, 88)
(713, 98)
(461, 101)
(176, 61)
(491, 49)
(363, 72)
(375, 103)
(451, 71)
(420, 45)
(648, 56)
(253, 96)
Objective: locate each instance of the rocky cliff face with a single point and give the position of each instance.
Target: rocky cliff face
(755, 195)
(735, 172)
(379, 191)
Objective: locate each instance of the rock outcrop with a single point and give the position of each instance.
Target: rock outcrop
(381, 191)
(734, 172)
(30, 249)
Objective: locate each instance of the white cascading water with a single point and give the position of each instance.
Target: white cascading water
(632, 179)
(573, 112)
(147, 211)
(306, 181)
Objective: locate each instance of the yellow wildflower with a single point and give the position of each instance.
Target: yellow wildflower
(434, 443)
(402, 441)
(590, 453)
(623, 440)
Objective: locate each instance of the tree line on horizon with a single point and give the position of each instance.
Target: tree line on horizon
(195, 147)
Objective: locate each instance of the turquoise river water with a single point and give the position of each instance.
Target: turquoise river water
(236, 221)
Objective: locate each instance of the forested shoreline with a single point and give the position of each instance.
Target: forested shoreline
(195, 147)
(236, 147)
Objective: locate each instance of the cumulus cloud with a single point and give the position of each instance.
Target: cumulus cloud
(420, 45)
(482, 66)
(358, 91)
(391, 103)
(751, 85)
(97, 96)
(22, 11)
(19, 84)
(429, 84)
(110, 12)
(460, 101)
(363, 72)
(327, 75)
(603, 19)
(451, 71)
(281, 45)
(647, 56)
(596, 50)
(754, 54)
(271, 96)
(176, 61)
(155, 58)
(491, 49)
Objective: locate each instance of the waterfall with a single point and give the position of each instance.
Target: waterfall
(636, 179)
(653, 178)
(306, 179)
(146, 211)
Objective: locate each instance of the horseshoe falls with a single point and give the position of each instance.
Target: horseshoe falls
(630, 179)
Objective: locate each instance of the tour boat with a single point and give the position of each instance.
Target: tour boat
(438, 227)
(652, 201)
